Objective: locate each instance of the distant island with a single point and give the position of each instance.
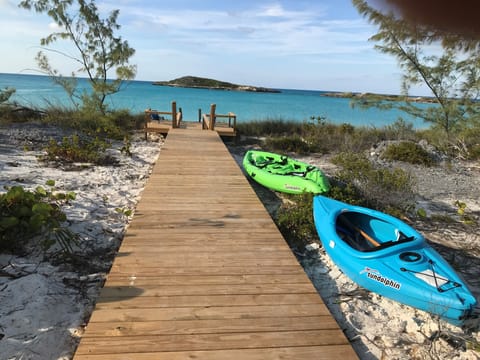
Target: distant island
(380, 97)
(204, 83)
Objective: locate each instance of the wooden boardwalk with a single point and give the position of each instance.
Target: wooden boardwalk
(203, 272)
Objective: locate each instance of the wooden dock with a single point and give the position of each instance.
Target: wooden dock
(203, 272)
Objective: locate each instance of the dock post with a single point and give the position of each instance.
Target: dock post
(212, 116)
(174, 114)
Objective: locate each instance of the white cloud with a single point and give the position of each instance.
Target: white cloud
(53, 26)
(257, 30)
(275, 10)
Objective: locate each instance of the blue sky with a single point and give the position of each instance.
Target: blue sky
(317, 44)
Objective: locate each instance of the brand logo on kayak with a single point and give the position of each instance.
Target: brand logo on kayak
(292, 187)
(376, 276)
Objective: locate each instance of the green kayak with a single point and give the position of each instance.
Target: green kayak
(284, 174)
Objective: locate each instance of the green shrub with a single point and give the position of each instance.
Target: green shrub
(5, 94)
(400, 130)
(334, 138)
(291, 144)
(273, 127)
(295, 220)
(467, 143)
(75, 149)
(326, 137)
(379, 188)
(348, 193)
(409, 152)
(114, 125)
(25, 214)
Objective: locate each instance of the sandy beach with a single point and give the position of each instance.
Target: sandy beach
(46, 301)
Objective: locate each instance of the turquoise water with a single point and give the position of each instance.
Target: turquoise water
(297, 105)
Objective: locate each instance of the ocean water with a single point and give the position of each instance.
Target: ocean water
(296, 105)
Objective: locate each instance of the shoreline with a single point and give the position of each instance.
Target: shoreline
(383, 97)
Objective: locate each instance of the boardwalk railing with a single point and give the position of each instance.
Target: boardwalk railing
(224, 128)
(155, 122)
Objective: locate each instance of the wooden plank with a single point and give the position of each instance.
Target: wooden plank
(207, 313)
(185, 327)
(106, 302)
(155, 269)
(297, 352)
(211, 289)
(253, 261)
(199, 342)
(188, 280)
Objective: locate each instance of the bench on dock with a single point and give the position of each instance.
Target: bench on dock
(156, 123)
(223, 124)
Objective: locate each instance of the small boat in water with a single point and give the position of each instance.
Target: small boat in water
(284, 174)
(385, 255)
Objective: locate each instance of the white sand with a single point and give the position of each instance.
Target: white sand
(43, 307)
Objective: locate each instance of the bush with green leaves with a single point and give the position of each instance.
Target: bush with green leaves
(292, 143)
(78, 149)
(270, 127)
(321, 136)
(409, 152)
(381, 188)
(5, 94)
(114, 124)
(295, 220)
(25, 214)
(467, 144)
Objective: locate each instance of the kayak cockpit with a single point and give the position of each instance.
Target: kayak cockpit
(366, 233)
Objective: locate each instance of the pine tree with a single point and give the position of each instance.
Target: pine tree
(447, 65)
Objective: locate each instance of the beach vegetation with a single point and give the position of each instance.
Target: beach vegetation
(408, 151)
(10, 111)
(464, 213)
(359, 180)
(97, 51)
(27, 214)
(295, 220)
(270, 127)
(294, 143)
(126, 212)
(114, 124)
(447, 68)
(323, 136)
(5, 94)
(78, 149)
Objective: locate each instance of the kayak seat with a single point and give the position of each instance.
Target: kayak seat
(262, 162)
(354, 239)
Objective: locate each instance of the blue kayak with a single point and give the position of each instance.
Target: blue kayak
(385, 255)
